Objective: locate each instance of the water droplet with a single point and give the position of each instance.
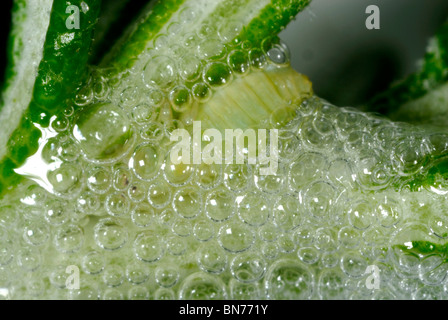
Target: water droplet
(148, 247)
(219, 205)
(93, 263)
(288, 279)
(117, 204)
(97, 130)
(142, 215)
(110, 234)
(217, 74)
(146, 161)
(235, 237)
(201, 286)
(187, 202)
(160, 71)
(248, 267)
(253, 209)
(69, 239)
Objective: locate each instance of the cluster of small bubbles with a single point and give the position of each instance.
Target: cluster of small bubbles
(139, 225)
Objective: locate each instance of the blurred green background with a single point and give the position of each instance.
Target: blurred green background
(348, 63)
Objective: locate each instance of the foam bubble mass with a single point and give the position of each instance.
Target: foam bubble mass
(352, 191)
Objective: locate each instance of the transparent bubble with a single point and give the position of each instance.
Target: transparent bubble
(201, 92)
(180, 98)
(138, 293)
(248, 267)
(201, 286)
(146, 161)
(389, 212)
(167, 275)
(325, 239)
(164, 294)
(287, 212)
(117, 204)
(308, 255)
(361, 215)
(9, 216)
(253, 209)
(277, 55)
(320, 199)
(182, 227)
(98, 129)
(429, 293)
(187, 202)
(257, 58)
(289, 146)
(152, 131)
(99, 180)
(176, 246)
(237, 177)
(30, 259)
(34, 195)
(272, 183)
(93, 262)
(129, 97)
(136, 272)
(122, 178)
(288, 279)
(408, 156)
(6, 251)
(340, 172)
(167, 217)
(160, 71)
(349, 237)
(142, 215)
(87, 204)
(438, 225)
(220, 205)
(238, 60)
(353, 264)
(331, 284)
(148, 247)
(36, 233)
(68, 150)
(244, 291)
(433, 270)
(110, 234)
(137, 192)
(235, 237)
(304, 235)
(69, 239)
(177, 174)
(211, 49)
(203, 230)
(190, 67)
(84, 293)
(113, 275)
(212, 258)
(143, 113)
(67, 180)
(217, 74)
(268, 232)
(159, 194)
(112, 294)
(308, 168)
(208, 176)
(286, 243)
